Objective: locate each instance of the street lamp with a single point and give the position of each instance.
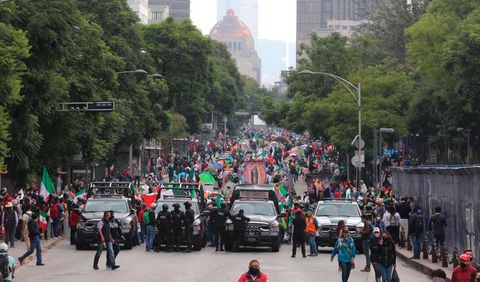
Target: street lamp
(143, 72)
(461, 129)
(352, 89)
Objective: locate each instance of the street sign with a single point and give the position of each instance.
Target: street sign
(3, 169)
(358, 161)
(104, 106)
(242, 113)
(355, 143)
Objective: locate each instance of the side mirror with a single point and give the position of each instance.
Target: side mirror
(132, 211)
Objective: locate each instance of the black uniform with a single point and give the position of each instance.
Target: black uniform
(239, 223)
(188, 219)
(299, 225)
(116, 230)
(177, 224)
(219, 218)
(164, 224)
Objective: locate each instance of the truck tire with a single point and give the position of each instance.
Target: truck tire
(79, 246)
(228, 245)
(128, 243)
(197, 244)
(275, 246)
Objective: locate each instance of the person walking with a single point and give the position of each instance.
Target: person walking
(116, 230)
(366, 234)
(374, 244)
(437, 226)
(299, 226)
(391, 220)
(9, 222)
(72, 222)
(404, 210)
(105, 240)
(464, 271)
(35, 242)
(345, 248)
(386, 256)
(311, 232)
(415, 229)
(26, 218)
(253, 274)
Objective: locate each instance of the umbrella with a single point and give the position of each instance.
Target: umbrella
(207, 178)
(181, 174)
(217, 165)
(280, 139)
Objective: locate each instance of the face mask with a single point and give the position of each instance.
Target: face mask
(376, 235)
(437, 280)
(253, 271)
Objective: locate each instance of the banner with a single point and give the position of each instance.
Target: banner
(255, 172)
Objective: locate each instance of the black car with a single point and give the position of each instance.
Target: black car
(92, 213)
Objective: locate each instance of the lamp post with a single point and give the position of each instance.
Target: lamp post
(461, 129)
(143, 72)
(352, 89)
(380, 147)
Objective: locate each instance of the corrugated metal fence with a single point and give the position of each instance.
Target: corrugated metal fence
(456, 190)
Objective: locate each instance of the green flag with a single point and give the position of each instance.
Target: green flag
(46, 188)
(283, 191)
(218, 201)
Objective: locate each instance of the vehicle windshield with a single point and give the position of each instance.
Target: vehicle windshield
(106, 205)
(170, 206)
(338, 209)
(256, 208)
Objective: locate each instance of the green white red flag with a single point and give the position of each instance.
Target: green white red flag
(46, 188)
(43, 220)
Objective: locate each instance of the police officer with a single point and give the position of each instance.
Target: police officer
(164, 225)
(177, 224)
(116, 231)
(220, 217)
(239, 223)
(105, 240)
(188, 222)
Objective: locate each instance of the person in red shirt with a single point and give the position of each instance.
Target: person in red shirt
(337, 194)
(253, 274)
(463, 272)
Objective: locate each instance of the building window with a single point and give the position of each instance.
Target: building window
(239, 46)
(157, 15)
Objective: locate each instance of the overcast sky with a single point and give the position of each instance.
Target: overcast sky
(277, 18)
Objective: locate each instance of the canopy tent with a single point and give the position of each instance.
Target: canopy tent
(207, 178)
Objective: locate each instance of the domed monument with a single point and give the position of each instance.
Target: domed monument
(239, 40)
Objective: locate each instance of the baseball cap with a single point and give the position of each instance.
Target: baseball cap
(464, 257)
(376, 230)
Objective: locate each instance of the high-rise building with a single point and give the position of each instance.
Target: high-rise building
(239, 40)
(246, 10)
(179, 10)
(141, 8)
(314, 16)
(158, 13)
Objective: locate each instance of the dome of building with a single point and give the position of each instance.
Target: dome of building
(231, 26)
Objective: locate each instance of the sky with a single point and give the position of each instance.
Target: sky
(277, 18)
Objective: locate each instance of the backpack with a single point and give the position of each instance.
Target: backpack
(54, 212)
(9, 218)
(146, 217)
(419, 224)
(60, 210)
(5, 269)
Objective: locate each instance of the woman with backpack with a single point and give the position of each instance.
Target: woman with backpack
(345, 248)
(9, 222)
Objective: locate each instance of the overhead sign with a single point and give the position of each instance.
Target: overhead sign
(104, 106)
(358, 143)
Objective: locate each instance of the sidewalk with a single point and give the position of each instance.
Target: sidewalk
(21, 248)
(423, 265)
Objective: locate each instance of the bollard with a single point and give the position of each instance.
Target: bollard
(444, 255)
(425, 248)
(434, 253)
(401, 243)
(455, 260)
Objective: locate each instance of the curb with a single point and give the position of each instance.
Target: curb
(46, 246)
(417, 265)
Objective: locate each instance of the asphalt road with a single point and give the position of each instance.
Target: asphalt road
(64, 263)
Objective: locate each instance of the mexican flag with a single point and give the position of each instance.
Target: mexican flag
(283, 191)
(43, 220)
(46, 188)
(74, 196)
(218, 200)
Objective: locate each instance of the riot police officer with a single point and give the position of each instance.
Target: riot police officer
(239, 223)
(188, 219)
(164, 225)
(116, 231)
(220, 217)
(177, 224)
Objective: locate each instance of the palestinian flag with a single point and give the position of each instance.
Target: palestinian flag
(46, 188)
(42, 220)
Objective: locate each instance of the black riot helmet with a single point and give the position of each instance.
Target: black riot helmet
(176, 206)
(165, 207)
(187, 205)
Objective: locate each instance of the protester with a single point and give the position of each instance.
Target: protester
(253, 274)
(299, 225)
(464, 271)
(438, 275)
(26, 218)
(311, 232)
(404, 210)
(35, 241)
(345, 248)
(415, 229)
(9, 222)
(7, 264)
(374, 247)
(386, 256)
(366, 234)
